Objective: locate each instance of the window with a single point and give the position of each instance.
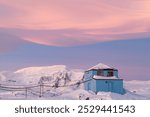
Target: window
(110, 73)
(100, 73)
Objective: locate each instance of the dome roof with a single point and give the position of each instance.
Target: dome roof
(101, 66)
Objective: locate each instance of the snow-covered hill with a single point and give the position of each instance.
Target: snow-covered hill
(33, 75)
(61, 80)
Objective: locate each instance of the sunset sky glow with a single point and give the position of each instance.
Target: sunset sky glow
(49, 25)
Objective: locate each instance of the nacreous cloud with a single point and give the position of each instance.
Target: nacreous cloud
(75, 22)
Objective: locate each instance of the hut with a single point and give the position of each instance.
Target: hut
(102, 78)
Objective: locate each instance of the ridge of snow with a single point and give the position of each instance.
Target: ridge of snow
(42, 69)
(60, 74)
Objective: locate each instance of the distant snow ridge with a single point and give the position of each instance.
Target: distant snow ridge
(46, 70)
(58, 74)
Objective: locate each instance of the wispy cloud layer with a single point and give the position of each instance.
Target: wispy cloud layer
(75, 22)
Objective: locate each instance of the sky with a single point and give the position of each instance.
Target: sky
(77, 33)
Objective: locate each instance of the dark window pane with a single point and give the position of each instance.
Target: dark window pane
(110, 73)
(100, 73)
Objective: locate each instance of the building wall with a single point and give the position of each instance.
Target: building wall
(90, 85)
(106, 85)
(116, 73)
(110, 86)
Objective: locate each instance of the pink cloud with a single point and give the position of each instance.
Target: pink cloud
(70, 37)
(75, 22)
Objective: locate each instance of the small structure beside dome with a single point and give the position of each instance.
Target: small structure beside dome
(103, 78)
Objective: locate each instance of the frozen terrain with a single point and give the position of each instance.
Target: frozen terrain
(60, 82)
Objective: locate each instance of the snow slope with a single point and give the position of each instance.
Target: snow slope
(33, 75)
(62, 80)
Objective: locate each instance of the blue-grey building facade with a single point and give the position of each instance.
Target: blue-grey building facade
(103, 80)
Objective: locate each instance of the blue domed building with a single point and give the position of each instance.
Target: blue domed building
(102, 78)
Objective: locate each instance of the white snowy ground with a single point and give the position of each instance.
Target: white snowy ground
(65, 84)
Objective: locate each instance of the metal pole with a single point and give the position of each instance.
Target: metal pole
(41, 90)
(26, 93)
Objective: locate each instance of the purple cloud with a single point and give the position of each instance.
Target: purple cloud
(9, 42)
